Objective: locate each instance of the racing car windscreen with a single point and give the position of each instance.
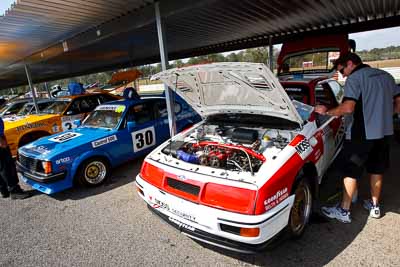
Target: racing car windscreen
(310, 62)
(56, 108)
(250, 120)
(103, 119)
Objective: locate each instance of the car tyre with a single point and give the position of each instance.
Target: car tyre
(93, 172)
(301, 209)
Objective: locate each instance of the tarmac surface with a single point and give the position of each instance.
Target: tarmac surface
(111, 226)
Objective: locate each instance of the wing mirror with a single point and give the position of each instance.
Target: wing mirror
(131, 125)
(77, 123)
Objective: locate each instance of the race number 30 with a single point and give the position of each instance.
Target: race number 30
(143, 139)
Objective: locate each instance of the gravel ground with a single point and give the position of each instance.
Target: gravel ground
(111, 226)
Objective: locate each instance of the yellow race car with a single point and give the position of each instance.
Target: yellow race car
(57, 117)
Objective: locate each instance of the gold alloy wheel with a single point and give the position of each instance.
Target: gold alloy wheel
(301, 209)
(95, 172)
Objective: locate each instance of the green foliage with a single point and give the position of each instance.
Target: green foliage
(391, 52)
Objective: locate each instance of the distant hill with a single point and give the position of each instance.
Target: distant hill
(391, 52)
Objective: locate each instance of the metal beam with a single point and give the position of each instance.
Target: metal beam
(46, 86)
(271, 54)
(28, 76)
(164, 65)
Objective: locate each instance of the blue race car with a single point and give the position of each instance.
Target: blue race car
(112, 134)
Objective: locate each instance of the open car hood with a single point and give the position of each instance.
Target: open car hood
(248, 88)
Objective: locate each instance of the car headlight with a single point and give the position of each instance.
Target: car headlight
(47, 169)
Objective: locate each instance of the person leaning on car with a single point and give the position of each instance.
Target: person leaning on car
(8, 174)
(368, 109)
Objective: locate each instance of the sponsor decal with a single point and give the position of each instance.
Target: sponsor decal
(65, 137)
(63, 160)
(277, 198)
(293, 89)
(30, 126)
(115, 108)
(143, 139)
(55, 128)
(161, 205)
(104, 141)
(181, 224)
(303, 148)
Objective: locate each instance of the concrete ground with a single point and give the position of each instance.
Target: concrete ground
(111, 226)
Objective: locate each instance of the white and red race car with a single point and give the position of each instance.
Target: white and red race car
(250, 169)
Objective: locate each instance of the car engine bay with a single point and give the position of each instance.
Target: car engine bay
(229, 147)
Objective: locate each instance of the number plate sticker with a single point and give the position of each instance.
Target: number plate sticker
(143, 139)
(65, 137)
(183, 214)
(304, 149)
(67, 122)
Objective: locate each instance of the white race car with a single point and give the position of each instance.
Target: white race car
(250, 169)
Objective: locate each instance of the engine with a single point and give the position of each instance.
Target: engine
(229, 148)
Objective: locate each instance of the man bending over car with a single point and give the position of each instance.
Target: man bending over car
(368, 109)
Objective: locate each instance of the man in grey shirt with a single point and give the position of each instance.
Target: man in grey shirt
(368, 109)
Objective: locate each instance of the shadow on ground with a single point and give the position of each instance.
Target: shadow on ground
(120, 176)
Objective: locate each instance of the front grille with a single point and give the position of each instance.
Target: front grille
(31, 164)
(184, 187)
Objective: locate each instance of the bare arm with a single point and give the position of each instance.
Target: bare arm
(347, 107)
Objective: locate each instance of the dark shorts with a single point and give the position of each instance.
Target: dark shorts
(373, 155)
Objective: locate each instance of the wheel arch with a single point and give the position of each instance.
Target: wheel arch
(308, 171)
(33, 135)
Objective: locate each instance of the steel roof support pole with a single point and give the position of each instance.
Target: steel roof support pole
(46, 86)
(28, 76)
(164, 66)
(271, 54)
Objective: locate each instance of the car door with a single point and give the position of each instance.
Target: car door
(143, 136)
(332, 128)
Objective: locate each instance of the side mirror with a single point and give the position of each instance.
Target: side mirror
(77, 123)
(8, 113)
(69, 112)
(131, 125)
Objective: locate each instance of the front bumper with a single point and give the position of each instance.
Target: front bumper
(203, 223)
(40, 177)
(45, 183)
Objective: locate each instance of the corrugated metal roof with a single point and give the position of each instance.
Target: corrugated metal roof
(61, 38)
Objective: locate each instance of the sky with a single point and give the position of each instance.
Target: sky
(364, 40)
(4, 5)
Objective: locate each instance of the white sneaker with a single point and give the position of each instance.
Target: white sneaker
(374, 210)
(337, 213)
